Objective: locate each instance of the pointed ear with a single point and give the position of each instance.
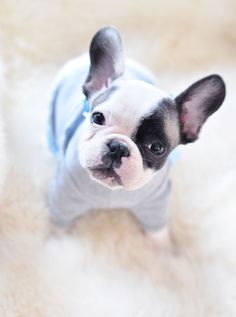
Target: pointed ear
(197, 103)
(106, 58)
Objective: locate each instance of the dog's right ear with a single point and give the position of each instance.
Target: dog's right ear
(197, 103)
(106, 58)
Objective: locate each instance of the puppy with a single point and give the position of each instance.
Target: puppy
(113, 131)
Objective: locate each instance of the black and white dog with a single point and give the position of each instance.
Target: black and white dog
(113, 130)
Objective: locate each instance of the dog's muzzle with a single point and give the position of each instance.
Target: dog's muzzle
(114, 151)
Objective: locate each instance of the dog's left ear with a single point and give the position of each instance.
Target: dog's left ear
(107, 60)
(197, 103)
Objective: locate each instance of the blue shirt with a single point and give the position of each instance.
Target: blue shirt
(73, 193)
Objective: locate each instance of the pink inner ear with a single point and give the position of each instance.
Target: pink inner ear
(95, 85)
(101, 81)
(191, 119)
(182, 119)
(198, 102)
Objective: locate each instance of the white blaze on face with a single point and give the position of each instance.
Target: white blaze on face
(133, 100)
(123, 111)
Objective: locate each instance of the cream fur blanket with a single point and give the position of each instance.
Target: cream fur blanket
(104, 266)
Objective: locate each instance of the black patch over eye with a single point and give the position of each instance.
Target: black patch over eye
(151, 137)
(98, 118)
(157, 148)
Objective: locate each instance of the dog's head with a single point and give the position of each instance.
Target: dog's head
(133, 126)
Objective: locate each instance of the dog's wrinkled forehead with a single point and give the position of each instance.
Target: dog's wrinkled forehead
(127, 101)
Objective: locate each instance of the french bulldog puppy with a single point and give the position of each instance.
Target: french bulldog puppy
(113, 131)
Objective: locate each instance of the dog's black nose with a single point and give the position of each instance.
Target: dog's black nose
(117, 150)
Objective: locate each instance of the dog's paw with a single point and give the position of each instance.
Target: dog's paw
(162, 240)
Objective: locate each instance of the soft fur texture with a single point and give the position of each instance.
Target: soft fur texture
(105, 266)
(3, 159)
(3, 156)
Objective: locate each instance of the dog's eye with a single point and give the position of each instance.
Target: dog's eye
(157, 148)
(98, 118)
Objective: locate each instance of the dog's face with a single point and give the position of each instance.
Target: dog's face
(133, 126)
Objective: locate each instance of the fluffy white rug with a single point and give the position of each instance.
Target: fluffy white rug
(104, 266)
(3, 158)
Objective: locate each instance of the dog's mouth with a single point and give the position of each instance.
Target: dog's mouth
(106, 175)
